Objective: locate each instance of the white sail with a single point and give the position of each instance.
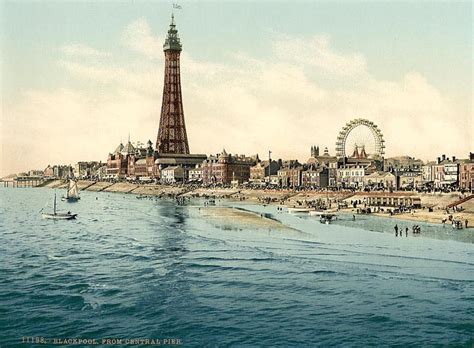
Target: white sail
(72, 191)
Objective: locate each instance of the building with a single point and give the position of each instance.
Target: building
(172, 175)
(332, 174)
(315, 177)
(187, 161)
(392, 200)
(62, 171)
(141, 162)
(260, 172)
(117, 161)
(351, 176)
(132, 162)
(295, 176)
(380, 180)
(195, 174)
(331, 162)
(427, 172)
(466, 174)
(314, 151)
(145, 168)
(80, 169)
(86, 169)
(446, 172)
(403, 163)
(209, 167)
(290, 174)
(451, 173)
(36, 173)
(409, 179)
(224, 168)
(102, 172)
(274, 180)
(48, 172)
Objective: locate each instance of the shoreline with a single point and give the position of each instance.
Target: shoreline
(286, 198)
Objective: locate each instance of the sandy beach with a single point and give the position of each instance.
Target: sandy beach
(287, 198)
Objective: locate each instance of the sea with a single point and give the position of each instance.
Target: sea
(149, 268)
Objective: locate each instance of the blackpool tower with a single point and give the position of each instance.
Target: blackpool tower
(172, 138)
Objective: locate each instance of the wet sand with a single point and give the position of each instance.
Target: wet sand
(233, 217)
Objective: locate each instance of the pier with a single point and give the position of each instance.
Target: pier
(23, 181)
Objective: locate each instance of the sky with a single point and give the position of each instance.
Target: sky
(77, 77)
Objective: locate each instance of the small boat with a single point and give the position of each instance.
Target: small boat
(299, 210)
(72, 194)
(327, 218)
(320, 212)
(58, 216)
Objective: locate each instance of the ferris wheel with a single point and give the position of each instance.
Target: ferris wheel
(360, 134)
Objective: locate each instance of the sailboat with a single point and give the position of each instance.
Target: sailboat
(58, 216)
(72, 194)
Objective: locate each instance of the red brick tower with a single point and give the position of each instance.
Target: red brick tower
(172, 136)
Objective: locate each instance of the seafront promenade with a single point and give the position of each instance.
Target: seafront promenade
(435, 207)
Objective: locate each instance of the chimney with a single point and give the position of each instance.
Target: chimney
(439, 160)
(454, 158)
(444, 157)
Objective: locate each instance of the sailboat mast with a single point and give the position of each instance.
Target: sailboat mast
(54, 203)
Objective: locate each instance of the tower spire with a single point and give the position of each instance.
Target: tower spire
(172, 136)
(172, 41)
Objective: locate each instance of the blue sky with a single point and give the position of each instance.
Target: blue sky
(429, 37)
(428, 41)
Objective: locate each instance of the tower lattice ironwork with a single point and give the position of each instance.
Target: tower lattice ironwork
(172, 136)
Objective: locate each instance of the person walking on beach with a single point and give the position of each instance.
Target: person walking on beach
(396, 230)
(466, 222)
(354, 219)
(406, 231)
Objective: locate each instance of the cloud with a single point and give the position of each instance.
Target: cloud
(317, 53)
(138, 37)
(142, 78)
(65, 126)
(82, 50)
(245, 104)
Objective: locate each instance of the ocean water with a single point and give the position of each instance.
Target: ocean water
(140, 268)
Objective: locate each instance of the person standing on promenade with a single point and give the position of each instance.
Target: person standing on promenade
(396, 230)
